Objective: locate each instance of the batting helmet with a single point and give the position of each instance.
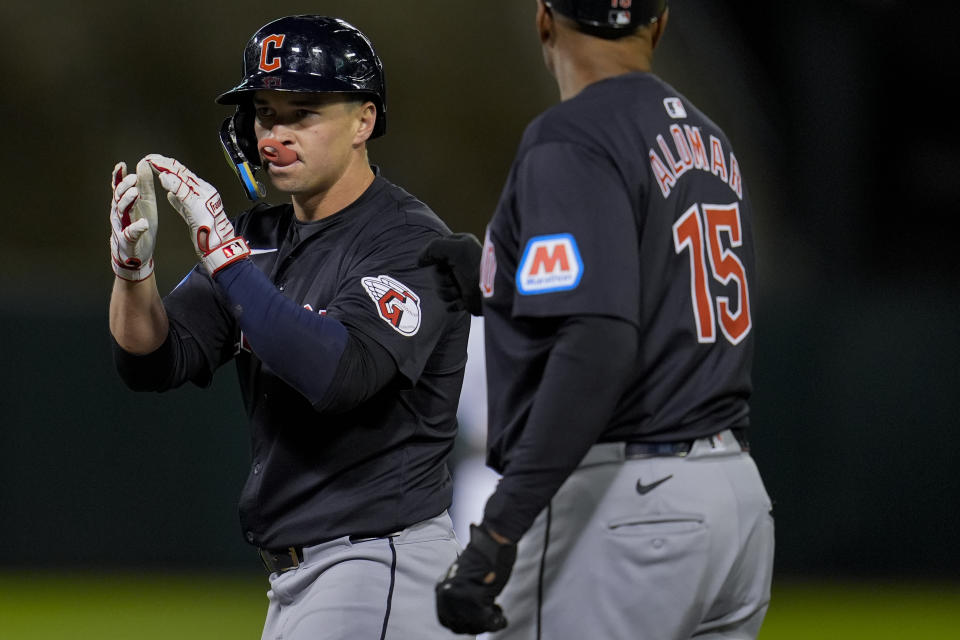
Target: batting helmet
(609, 19)
(299, 53)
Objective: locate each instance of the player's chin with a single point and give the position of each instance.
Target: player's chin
(285, 181)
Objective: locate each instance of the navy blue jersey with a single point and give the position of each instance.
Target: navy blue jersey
(625, 201)
(373, 469)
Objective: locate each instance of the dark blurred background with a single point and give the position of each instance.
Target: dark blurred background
(842, 122)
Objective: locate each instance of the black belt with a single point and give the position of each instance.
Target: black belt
(280, 560)
(677, 449)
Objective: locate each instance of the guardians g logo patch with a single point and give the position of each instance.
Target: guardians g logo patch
(396, 304)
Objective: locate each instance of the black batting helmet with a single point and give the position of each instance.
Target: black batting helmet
(299, 53)
(609, 19)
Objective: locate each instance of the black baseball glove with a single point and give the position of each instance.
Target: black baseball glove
(465, 597)
(457, 258)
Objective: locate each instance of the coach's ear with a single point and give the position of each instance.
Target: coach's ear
(659, 26)
(544, 22)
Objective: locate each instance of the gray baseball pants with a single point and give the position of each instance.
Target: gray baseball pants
(617, 556)
(375, 589)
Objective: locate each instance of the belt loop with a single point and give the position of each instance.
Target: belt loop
(604, 453)
(740, 434)
(265, 559)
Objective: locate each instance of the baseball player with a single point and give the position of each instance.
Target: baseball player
(615, 285)
(349, 364)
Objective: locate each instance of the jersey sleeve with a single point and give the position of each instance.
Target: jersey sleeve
(387, 297)
(578, 245)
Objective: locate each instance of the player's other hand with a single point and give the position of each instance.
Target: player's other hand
(457, 258)
(133, 222)
(465, 597)
(200, 206)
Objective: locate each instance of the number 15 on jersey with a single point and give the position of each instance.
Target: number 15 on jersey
(707, 251)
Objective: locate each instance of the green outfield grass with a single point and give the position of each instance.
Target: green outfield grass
(131, 607)
(208, 607)
(845, 610)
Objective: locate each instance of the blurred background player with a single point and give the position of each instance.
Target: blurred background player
(349, 364)
(615, 282)
(473, 480)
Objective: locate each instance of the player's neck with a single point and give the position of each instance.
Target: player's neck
(308, 207)
(578, 69)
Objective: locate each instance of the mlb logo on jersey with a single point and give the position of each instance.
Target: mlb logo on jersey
(674, 108)
(549, 263)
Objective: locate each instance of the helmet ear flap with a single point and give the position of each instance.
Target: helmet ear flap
(246, 138)
(240, 149)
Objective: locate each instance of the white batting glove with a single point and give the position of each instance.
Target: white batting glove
(200, 206)
(133, 222)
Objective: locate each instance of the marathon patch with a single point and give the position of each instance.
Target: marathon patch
(396, 303)
(549, 263)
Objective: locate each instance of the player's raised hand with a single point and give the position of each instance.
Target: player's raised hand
(457, 258)
(465, 597)
(200, 206)
(133, 222)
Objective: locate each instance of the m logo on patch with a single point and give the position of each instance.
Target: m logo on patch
(549, 263)
(396, 304)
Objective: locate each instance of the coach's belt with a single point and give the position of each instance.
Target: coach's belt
(678, 449)
(655, 449)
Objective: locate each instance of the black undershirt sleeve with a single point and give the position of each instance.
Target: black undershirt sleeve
(336, 368)
(583, 380)
(170, 365)
(364, 369)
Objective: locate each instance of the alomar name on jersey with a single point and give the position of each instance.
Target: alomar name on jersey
(688, 151)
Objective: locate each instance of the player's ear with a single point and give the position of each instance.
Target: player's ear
(366, 119)
(660, 25)
(544, 21)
